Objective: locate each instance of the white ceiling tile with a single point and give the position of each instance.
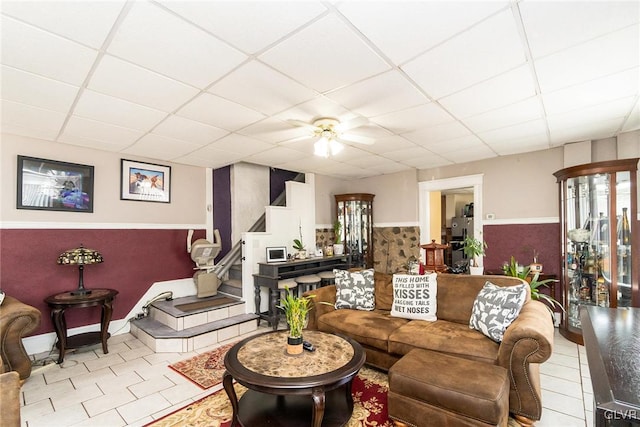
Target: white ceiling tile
(515, 132)
(261, 88)
(86, 22)
(389, 143)
(471, 154)
(486, 50)
(389, 167)
(318, 107)
(505, 89)
(523, 111)
(524, 145)
(618, 108)
(328, 55)
(31, 89)
(437, 133)
(414, 118)
(160, 41)
(37, 51)
(633, 121)
(96, 106)
(87, 132)
(365, 160)
(161, 147)
(248, 25)
(378, 95)
(555, 25)
(124, 80)
(616, 52)
(241, 144)
(415, 26)
(30, 131)
(209, 157)
(275, 156)
(273, 131)
(341, 170)
(427, 162)
(409, 153)
(597, 91)
(219, 112)
(446, 146)
(586, 131)
(26, 116)
(189, 130)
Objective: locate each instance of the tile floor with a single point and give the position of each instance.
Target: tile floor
(132, 386)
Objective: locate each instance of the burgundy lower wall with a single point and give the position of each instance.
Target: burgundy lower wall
(133, 261)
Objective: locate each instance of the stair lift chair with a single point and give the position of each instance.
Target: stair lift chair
(203, 254)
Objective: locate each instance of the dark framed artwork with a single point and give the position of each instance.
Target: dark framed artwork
(146, 182)
(53, 185)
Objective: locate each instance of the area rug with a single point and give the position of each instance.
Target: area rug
(369, 397)
(206, 369)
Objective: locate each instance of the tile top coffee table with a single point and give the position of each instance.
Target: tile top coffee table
(288, 390)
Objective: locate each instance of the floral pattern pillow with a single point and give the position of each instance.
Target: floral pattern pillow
(496, 307)
(355, 290)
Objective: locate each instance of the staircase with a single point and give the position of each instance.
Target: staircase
(191, 323)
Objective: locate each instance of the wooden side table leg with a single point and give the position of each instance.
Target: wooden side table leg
(318, 406)
(257, 300)
(273, 310)
(57, 317)
(227, 383)
(107, 311)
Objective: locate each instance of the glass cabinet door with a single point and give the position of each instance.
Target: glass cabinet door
(355, 216)
(598, 204)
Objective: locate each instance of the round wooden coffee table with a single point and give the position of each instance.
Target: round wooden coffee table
(280, 386)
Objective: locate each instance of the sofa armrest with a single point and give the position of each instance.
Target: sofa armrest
(325, 294)
(16, 320)
(528, 340)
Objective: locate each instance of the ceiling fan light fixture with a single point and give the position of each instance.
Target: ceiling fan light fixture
(321, 147)
(335, 147)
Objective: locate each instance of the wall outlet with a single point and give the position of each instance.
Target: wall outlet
(491, 216)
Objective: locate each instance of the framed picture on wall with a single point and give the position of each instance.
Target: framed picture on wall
(52, 185)
(146, 182)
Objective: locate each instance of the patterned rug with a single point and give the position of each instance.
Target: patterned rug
(206, 369)
(369, 397)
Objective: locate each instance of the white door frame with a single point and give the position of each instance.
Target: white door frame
(425, 187)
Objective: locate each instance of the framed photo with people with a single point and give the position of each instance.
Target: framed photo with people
(145, 182)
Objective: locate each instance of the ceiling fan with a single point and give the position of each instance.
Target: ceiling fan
(331, 133)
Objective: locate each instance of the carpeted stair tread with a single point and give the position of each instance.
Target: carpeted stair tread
(172, 307)
(161, 331)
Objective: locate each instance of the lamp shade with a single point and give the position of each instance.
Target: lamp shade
(80, 256)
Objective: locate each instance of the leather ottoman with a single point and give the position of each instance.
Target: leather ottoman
(427, 388)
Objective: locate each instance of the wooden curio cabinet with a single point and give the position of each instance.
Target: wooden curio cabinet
(355, 214)
(598, 239)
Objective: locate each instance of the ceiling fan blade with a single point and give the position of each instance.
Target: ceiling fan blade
(302, 124)
(357, 139)
(351, 124)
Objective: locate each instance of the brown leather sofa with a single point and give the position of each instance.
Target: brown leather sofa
(16, 320)
(527, 342)
(9, 397)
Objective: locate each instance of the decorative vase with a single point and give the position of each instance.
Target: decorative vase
(338, 248)
(294, 345)
(476, 271)
(302, 254)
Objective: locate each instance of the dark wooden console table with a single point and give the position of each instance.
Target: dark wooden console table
(612, 340)
(270, 273)
(62, 301)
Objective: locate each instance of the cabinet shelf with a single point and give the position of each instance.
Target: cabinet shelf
(598, 211)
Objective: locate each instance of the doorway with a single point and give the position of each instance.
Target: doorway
(470, 184)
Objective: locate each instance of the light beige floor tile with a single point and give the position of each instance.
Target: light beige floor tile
(552, 418)
(171, 409)
(107, 402)
(60, 387)
(110, 360)
(588, 416)
(107, 419)
(587, 386)
(142, 408)
(151, 386)
(141, 422)
(175, 377)
(74, 397)
(130, 366)
(83, 380)
(135, 343)
(571, 374)
(117, 347)
(33, 382)
(64, 417)
(36, 410)
(567, 405)
(116, 384)
(62, 373)
(564, 360)
(163, 358)
(122, 338)
(180, 392)
(135, 353)
(80, 356)
(560, 385)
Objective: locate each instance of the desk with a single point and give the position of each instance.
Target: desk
(612, 340)
(270, 273)
(62, 301)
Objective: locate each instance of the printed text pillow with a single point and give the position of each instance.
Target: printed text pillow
(355, 290)
(496, 307)
(414, 296)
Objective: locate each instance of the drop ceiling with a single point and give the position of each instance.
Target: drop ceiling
(211, 83)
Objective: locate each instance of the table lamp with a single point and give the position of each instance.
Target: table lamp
(80, 256)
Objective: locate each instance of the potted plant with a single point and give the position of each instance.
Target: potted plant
(338, 246)
(299, 246)
(473, 248)
(296, 310)
(523, 272)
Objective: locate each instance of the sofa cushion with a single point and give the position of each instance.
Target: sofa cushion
(354, 290)
(383, 291)
(496, 307)
(415, 296)
(370, 328)
(446, 337)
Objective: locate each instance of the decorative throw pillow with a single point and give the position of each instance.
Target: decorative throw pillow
(414, 296)
(355, 289)
(496, 307)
